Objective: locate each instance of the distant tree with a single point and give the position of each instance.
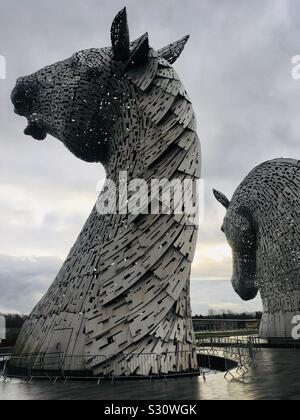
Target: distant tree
(212, 313)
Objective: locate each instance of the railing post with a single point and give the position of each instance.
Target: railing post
(29, 369)
(4, 371)
(61, 362)
(159, 365)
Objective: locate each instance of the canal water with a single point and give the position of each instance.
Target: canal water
(275, 375)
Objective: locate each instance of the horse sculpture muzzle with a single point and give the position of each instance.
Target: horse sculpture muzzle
(25, 98)
(22, 97)
(244, 275)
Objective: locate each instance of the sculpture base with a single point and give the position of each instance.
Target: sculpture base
(121, 366)
(279, 324)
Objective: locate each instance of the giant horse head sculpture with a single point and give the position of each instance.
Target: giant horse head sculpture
(124, 288)
(83, 101)
(262, 228)
(240, 232)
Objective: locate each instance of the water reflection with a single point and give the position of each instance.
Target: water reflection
(276, 375)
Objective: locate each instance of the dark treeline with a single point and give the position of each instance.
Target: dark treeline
(229, 315)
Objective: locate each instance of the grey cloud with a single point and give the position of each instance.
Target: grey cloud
(23, 281)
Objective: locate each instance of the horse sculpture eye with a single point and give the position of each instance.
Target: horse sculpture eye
(93, 72)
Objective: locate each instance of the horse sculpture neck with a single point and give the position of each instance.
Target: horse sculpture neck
(159, 143)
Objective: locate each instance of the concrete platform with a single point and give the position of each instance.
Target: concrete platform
(275, 376)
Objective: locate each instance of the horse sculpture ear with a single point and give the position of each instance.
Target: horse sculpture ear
(140, 51)
(173, 51)
(120, 37)
(222, 199)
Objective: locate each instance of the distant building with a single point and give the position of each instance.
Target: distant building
(13, 326)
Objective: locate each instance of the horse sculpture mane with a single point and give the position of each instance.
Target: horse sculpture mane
(124, 288)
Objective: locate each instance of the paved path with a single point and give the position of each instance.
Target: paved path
(275, 376)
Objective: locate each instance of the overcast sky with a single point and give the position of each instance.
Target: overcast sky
(237, 70)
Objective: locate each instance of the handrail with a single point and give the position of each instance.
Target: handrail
(132, 365)
(243, 351)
